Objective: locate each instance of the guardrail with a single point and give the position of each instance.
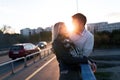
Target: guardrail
(13, 66)
(5, 52)
(87, 73)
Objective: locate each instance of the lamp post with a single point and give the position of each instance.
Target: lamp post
(77, 5)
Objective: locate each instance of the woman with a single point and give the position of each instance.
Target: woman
(69, 65)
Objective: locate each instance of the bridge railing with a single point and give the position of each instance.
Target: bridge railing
(86, 72)
(9, 67)
(13, 66)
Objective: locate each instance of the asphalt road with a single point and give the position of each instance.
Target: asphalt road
(4, 58)
(49, 72)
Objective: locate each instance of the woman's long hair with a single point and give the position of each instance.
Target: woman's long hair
(55, 30)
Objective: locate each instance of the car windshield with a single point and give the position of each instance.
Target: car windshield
(16, 48)
(41, 43)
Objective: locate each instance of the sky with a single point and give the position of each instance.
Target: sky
(21, 14)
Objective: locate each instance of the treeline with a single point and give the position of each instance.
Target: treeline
(6, 40)
(103, 39)
(42, 36)
(107, 39)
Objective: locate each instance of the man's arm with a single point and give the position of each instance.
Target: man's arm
(88, 46)
(66, 56)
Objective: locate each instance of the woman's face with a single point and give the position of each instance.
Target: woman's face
(63, 30)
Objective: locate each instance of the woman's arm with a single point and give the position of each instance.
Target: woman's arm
(65, 56)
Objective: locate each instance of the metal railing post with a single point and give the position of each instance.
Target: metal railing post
(44, 54)
(49, 51)
(34, 58)
(12, 66)
(40, 55)
(25, 61)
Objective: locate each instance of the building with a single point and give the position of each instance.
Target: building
(103, 26)
(113, 26)
(28, 31)
(48, 29)
(25, 32)
(39, 29)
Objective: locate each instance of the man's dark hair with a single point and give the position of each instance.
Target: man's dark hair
(80, 17)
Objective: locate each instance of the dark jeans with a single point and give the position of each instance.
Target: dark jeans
(70, 75)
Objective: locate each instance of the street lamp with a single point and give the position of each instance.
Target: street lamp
(77, 5)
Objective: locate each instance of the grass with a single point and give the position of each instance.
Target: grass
(106, 65)
(103, 75)
(106, 58)
(103, 65)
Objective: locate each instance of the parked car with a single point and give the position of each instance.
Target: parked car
(42, 44)
(21, 50)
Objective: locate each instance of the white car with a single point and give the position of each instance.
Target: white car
(42, 44)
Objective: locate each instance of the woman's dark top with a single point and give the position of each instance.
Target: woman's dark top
(65, 59)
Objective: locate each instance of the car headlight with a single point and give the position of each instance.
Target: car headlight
(42, 45)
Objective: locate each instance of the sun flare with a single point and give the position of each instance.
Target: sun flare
(69, 26)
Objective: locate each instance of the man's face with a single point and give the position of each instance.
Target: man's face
(78, 25)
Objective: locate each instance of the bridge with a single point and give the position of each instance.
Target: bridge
(42, 66)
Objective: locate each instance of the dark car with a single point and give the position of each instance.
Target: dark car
(42, 44)
(21, 50)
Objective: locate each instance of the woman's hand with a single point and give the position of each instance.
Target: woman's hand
(94, 67)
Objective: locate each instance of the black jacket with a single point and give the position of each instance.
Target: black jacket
(65, 59)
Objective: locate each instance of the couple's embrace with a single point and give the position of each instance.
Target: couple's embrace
(71, 50)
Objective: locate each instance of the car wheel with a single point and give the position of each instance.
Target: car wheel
(13, 58)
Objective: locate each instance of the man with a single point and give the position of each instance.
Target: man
(83, 41)
(82, 38)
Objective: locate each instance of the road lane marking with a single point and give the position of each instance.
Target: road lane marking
(33, 74)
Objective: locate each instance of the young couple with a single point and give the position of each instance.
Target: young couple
(71, 50)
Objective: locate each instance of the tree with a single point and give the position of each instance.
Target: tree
(115, 37)
(1, 32)
(97, 40)
(107, 39)
(7, 29)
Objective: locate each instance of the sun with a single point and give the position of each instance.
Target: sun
(70, 27)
